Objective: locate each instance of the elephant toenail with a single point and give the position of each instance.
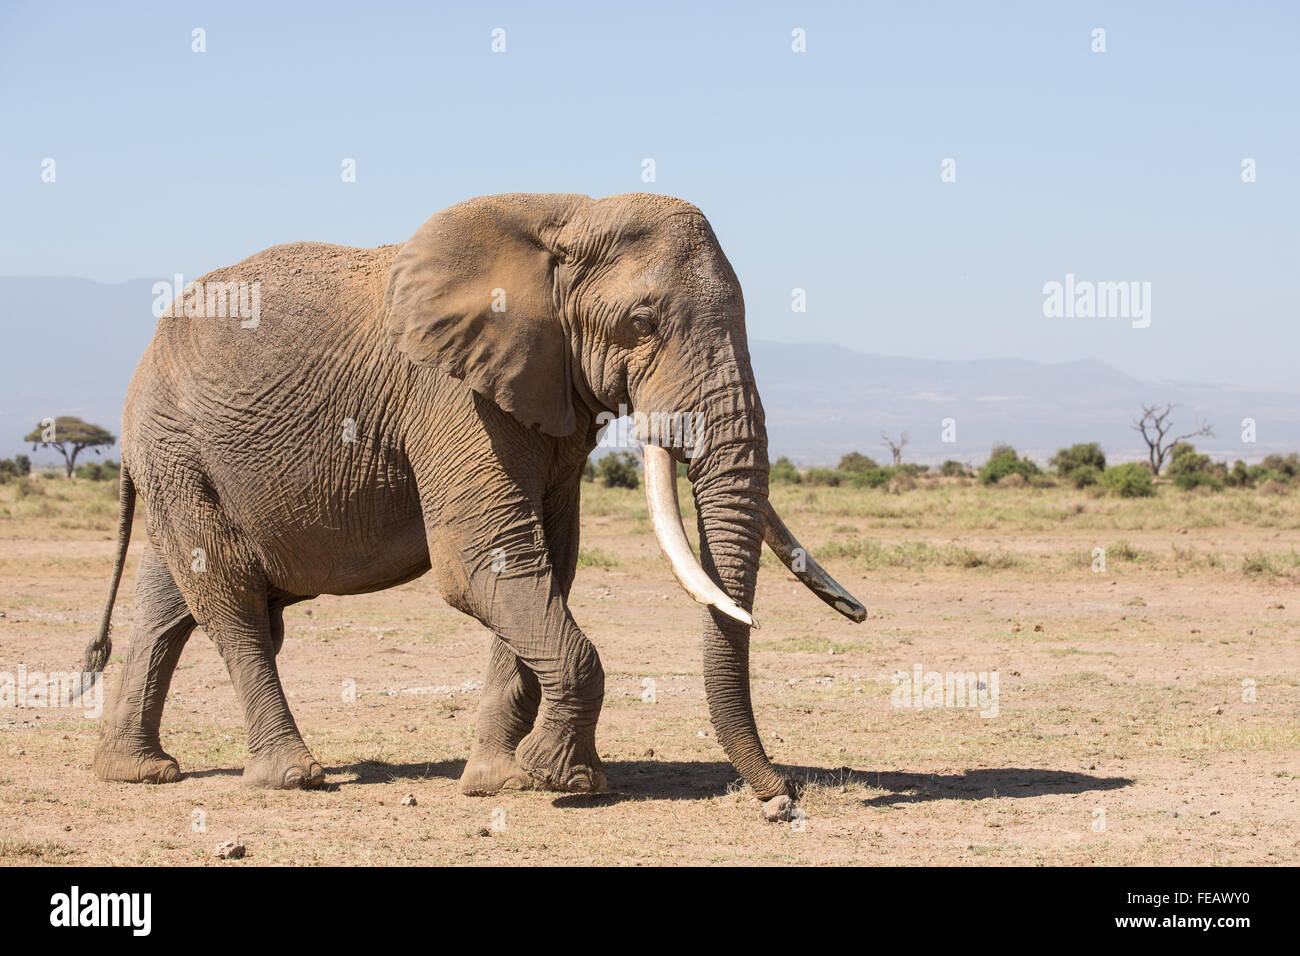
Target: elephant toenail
(292, 777)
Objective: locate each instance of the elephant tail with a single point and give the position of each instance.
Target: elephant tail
(98, 650)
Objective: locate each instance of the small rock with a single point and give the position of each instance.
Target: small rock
(649, 752)
(780, 809)
(409, 800)
(702, 733)
(484, 831)
(1038, 627)
(231, 850)
(1216, 710)
(409, 728)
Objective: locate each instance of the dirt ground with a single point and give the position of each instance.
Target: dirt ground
(1145, 714)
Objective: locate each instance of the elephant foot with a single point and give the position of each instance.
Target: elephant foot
(143, 764)
(562, 760)
(490, 772)
(286, 768)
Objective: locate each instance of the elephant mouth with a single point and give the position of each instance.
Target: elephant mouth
(666, 518)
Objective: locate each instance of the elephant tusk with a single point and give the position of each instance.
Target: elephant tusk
(813, 575)
(666, 516)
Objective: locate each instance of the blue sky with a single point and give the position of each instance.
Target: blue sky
(818, 170)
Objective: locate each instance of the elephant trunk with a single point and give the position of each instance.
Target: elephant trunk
(731, 503)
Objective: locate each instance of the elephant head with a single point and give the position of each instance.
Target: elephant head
(543, 303)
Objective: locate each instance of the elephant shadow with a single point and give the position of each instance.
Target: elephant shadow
(698, 780)
(673, 780)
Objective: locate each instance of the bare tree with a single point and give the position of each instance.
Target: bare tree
(895, 447)
(1155, 425)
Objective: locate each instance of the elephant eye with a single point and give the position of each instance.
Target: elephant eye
(643, 321)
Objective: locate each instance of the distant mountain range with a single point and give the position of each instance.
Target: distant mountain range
(72, 345)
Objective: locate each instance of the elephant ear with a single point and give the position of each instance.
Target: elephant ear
(473, 294)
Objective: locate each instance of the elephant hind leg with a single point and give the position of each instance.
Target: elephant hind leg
(129, 748)
(506, 714)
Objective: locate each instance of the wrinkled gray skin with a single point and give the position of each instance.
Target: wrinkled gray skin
(472, 427)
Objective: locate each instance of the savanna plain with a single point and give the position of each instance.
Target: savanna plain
(1147, 711)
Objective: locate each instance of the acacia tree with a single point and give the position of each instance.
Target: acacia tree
(1154, 426)
(895, 447)
(70, 436)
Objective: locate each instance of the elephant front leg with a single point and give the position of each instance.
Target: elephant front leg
(511, 693)
(506, 714)
(494, 565)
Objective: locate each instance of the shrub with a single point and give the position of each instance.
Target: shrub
(1082, 476)
(588, 471)
(831, 477)
(1188, 480)
(27, 487)
(1288, 465)
(618, 470)
(902, 481)
(872, 478)
(1129, 480)
(784, 472)
(99, 470)
(1259, 474)
(952, 469)
(1273, 487)
(1183, 460)
(1012, 479)
(854, 462)
(8, 471)
(1069, 459)
(1004, 461)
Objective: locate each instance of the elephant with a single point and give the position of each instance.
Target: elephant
(430, 406)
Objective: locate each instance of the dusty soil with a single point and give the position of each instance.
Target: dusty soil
(1123, 735)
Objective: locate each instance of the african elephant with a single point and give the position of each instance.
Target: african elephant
(431, 405)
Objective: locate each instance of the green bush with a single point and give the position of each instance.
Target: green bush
(1069, 459)
(1288, 465)
(8, 471)
(99, 470)
(873, 478)
(1004, 461)
(831, 477)
(1183, 460)
(854, 462)
(784, 472)
(618, 470)
(1188, 480)
(588, 471)
(952, 469)
(1081, 476)
(1131, 480)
